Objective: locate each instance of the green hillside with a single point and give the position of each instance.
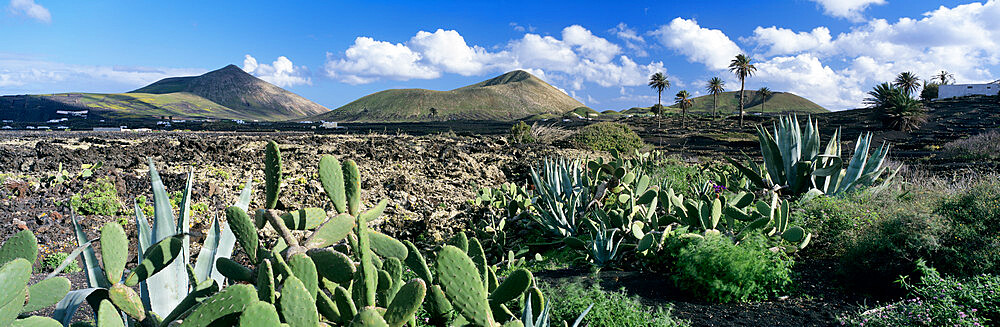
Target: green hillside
(510, 96)
(779, 102)
(130, 105)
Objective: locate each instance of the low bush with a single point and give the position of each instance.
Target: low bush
(610, 308)
(521, 133)
(52, 261)
(716, 269)
(97, 198)
(832, 219)
(979, 146)
(607, 136)
(938, 301)
(880, 253)
(972, 245)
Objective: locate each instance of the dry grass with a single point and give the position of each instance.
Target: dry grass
(548, 134)
(985, 145)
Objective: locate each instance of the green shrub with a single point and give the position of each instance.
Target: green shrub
(972, 245)
(880, 253)
(607, 136)
(715, 269)
(832, 219)
(610, 308)
(938, 301)
(521, 133)
(52, 261)
(97, 198)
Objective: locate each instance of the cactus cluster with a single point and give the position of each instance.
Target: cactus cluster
(17, 298)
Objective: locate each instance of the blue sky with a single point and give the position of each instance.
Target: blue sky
(831, 51)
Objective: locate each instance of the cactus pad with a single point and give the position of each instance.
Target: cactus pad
(326, 307)
(233, 299)
(36, 321)
(333, 231)
(297, 305)
(114, 251)
(342, 298)
(331, 175)
(512, 287)
(305, 270)
(46, 293)
(107, 316)
(405, 303)
(332, 265)
(460, 280)
(128, 301)
(156, 257)
(14, 277)
(245, 231)
(233, 270)
(352, 187)
(304, 219)
(21, 245)
(265, 281)
(259, 314)
(272, 174)
(386, 246)
(416, 262)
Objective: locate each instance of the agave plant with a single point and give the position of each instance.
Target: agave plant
(563, 192)
(794, 165)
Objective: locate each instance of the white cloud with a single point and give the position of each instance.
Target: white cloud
(579, 57)
(633, 40)
(849, 9)
(782, 41)
(806, 76)
(25, 74)
(368, 60)
(702, 45)
(281, 72)
(31, 9)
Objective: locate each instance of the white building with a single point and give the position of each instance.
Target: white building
(961, 90)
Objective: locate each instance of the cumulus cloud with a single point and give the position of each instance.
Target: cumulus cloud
(281, 72)
(710, 47)
(577, 58)
(806, 76)
(849, 9)
(31, 9)
(783, 41)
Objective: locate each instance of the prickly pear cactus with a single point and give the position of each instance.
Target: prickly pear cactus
(231, 300)
(233, 270)
(114, 251)
(156, 257)
(512, 287)
(265, 281)
(305, 270)
(245, 231)
(331, 175)
(406, 302)
(128, 301)
(259, 314)
(297, 305)
(21, 245)
(332, 265)
(272, 174)
(107, 316)
(460, 280)
(369, 317)
(46, 293)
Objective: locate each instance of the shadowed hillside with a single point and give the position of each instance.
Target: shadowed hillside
(510, 96)
(729, 103)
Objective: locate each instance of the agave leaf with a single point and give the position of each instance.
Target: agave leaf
(145, 235)
(857, 163)
(184, 220)
(70, 258)
(205, 263)
(95, 275)
(169, 285)
(67, 307)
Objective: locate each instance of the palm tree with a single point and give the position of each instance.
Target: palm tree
(896, 108)
(683, 100)
(658, 82)
(944, 77)
(743, 69)
(764, 93)
(715, 87)
(908, 82)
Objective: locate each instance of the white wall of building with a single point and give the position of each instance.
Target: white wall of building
(959, 90)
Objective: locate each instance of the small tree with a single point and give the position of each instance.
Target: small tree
(683, 100)
(715, 87)
(929, 91)
(908, 82)
(764, 93)
(743, 69)
(658, 82)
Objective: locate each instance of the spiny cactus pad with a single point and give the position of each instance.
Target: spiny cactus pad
(333, 231)
(437, 303)
(331, 175)
(512, 287)
(369, 317)
(460, 280)
(265, 281)
(332, 265)
(14, 277)
(304, 219)
(107, 316)
(200, 293)
(231, 300)
(305, 270)
(46, 293)
(386, 246)
(36, 321)
(21, 245)
(156, 257)
(352, 187)
(245, 231)
(259, 314)
(326, 307)
(297, 306)
(128, 301)
(114, 251)
(405, 303)
(272, 174)
(233, 270)
(346, 307)
(417, 263)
